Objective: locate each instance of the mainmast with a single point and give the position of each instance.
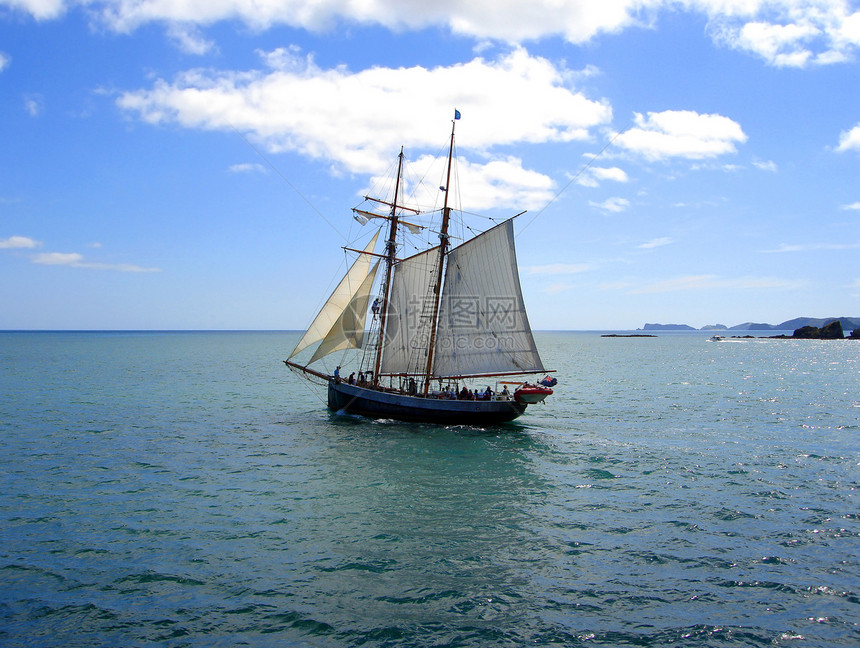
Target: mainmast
(391, 251)
(443, 250)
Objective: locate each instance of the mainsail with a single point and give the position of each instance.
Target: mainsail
(483, 327)
(332, 325)
(408, 321)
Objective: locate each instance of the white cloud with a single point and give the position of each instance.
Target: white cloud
(781, 45)
(298, 106)
(615, 205)
(34, 105)
(189, 39)
(558, 269)
(681, 133)
(852, 207)
(4, 61)
(76, 260)
(850, 140)
(478, 186)
(248, 167)
(39, 9)
(766, 166)
(592, 176)
(786, 33)
(502, 182)
(655, 243)
(18, 242)
(516, 21)
(505, 20)
(58, 258)
(783, 33)
(611, 173)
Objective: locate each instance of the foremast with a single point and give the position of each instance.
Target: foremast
(390, 258)
(443, 251)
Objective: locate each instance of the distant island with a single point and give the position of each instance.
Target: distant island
(803, 327)
(627, 335)
(667, 327)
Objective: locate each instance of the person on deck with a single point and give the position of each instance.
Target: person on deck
(352, 378)
(337, 373)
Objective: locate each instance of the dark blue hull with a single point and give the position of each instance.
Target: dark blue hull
(381, 404)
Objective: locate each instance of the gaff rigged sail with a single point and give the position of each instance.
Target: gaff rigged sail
(483, 326)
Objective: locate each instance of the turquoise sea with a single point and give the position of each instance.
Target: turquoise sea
(185, 489)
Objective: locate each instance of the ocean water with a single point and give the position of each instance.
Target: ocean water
(185, 489)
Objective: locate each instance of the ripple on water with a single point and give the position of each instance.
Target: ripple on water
(181, 490)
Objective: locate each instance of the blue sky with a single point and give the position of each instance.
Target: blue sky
(192, 165)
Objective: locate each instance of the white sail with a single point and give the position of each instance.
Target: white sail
(409, 313)
(483, 327)
(348, 331)
(339, 300)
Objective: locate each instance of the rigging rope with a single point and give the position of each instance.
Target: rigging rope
(306, 381)
(573, 179)
(292, 186)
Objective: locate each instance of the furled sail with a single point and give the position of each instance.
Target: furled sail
(483, 327)
(409, 314)
(328, 321)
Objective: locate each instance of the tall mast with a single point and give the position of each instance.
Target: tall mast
(443, 250)
(390, 250)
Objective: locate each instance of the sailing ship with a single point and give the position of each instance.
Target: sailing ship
(444, 318)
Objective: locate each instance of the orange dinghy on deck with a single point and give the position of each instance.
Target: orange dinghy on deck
(531, 394)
